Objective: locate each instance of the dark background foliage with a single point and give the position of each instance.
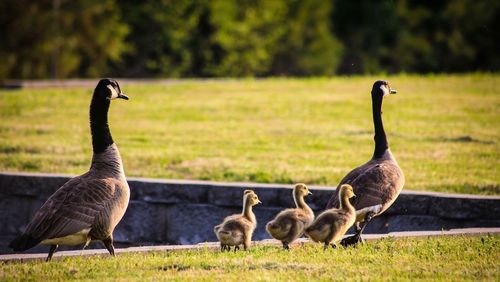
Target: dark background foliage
(220, 38)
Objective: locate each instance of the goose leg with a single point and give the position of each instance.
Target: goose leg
(108, 243)
(86, 244)
(52, 250)
(286, 246)
(327, 245)
(356, 238)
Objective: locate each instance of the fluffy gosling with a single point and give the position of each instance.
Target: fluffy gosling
(290, 224)
(332, 224)
(238, 229)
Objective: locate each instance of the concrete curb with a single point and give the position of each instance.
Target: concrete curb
(215, 245)
(183, 212)
(244, 184)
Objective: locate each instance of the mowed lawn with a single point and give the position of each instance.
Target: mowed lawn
(442, 258)
(444, 130)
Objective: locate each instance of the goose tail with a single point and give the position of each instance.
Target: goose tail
(23, 243)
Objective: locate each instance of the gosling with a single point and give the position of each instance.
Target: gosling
(238, 229)
(290, 224)
(332, 224)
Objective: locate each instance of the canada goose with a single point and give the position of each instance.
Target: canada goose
(237, 229)
(289, 224)
(332, 224)
(89, 206)
(378, 182)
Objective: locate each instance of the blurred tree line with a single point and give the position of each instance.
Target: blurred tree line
(221, 38)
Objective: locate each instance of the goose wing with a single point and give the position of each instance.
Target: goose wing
(374, 184)
(282, 224)
(72, 208)
(348, 179)
(235, 224)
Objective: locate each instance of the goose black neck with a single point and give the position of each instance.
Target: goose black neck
(381, 144)
(101, 136)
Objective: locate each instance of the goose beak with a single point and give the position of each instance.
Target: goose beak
(122, 96)
(393, 91)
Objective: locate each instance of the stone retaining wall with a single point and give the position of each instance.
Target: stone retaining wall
(184, 212)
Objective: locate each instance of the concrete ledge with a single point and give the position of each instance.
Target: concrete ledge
(215, 245)
(184, 212)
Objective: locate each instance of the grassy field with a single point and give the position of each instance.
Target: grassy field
(443, 258)
(444, 130)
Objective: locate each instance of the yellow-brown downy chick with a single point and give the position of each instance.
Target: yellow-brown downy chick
(332, 224)
(238, 229)
(290, 224)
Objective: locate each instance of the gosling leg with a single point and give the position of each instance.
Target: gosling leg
(108, 243)
(52, 250)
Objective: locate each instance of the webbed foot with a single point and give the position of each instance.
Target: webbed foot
(353, 240)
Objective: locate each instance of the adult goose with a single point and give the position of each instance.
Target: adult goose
(89, 206)
(378, 182)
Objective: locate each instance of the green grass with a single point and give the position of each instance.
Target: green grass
(441, 258)
(444, 130)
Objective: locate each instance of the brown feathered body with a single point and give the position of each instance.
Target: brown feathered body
(87, 207)
(378, 182)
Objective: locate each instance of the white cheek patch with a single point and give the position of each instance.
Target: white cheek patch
(384, 89)
(114, 94)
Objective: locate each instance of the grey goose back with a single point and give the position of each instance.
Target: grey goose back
(378, 182)
(87, 207)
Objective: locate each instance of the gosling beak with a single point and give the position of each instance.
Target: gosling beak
(309, 193)
(122, 96)
(259, 202)
(354, 195)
